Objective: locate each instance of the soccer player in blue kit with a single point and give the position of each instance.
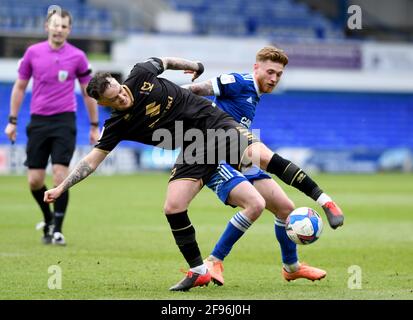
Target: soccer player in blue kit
(238, 95)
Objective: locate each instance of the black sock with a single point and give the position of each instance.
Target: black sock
(184, 234)
(293, 175)
(60, 207)
(38, 195)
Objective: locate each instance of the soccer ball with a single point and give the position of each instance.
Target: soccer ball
(304, 225)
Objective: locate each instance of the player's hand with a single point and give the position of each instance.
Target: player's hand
(51, 195)
(11, 131)
(196, 73)
(94, 134)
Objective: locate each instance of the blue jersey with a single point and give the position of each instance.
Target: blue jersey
(238, 95)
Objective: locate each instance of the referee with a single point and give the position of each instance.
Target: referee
(54, 66)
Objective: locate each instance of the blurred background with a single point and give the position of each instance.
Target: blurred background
(344, 104)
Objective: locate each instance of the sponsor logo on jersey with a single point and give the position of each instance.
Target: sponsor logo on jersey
(227, 79)
(147, 87)
(62, 76)
(246, 122)
(153, 109)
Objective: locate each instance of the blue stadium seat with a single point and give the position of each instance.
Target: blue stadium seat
(281, 18)
(29, 16)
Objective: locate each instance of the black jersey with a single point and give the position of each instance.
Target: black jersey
(158, 104)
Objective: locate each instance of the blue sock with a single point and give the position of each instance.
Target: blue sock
(288, 248)
(235, 229)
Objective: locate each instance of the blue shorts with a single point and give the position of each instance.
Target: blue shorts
(226, 178)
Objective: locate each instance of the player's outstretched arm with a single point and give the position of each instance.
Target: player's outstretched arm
(193, 67)
(204, 88)
(82, 170)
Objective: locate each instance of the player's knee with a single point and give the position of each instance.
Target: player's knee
(286, 208)
(174, 206)
(260, 154)
(59, 174)
(58, 179)
(255, 207)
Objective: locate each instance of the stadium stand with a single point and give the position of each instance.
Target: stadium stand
(336, 120)
(316, 118)
(28, 16)
(281, 18)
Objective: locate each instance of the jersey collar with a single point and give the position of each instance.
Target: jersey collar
(128, 92)
(60, 49)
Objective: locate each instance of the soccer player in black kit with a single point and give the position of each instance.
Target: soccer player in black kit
(146, 105)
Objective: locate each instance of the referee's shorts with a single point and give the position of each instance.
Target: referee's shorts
(53, 136)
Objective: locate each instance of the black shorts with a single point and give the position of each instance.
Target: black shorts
(53, 136)
(229, 148)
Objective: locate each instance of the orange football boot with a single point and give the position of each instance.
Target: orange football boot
(305, 271)
(215, 268)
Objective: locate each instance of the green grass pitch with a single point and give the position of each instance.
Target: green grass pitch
(120, 245)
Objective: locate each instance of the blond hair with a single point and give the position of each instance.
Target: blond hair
(272, 53)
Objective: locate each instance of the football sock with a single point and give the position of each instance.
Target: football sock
(288, 247)
(200, 269)
(60, 207)
(58, 221)
(213, 258)
(290, 268)
(294, 176)
(236, 227)
(323, 199)
(38, 195)
(184, 234)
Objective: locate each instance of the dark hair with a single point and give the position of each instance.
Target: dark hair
(63, 13)
(98, 85)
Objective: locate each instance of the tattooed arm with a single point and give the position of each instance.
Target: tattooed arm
(201, 89)
(193, 67)
(83, 169)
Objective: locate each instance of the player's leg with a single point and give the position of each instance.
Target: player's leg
(178, 197)
(63, 147)
(280, 205)
(38, 150)
(291, 174)
(252, 203)
(234, 189)
(245, 196)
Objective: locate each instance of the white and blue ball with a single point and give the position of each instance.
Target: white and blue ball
(304, 225)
